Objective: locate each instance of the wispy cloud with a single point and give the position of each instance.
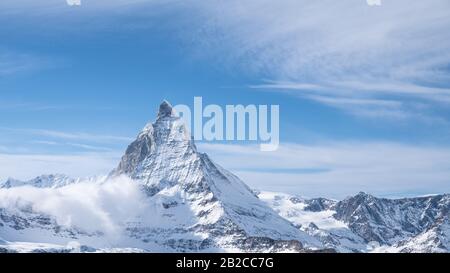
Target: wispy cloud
(360, 89)
(344, 50)
(12, 62)
(45, 142)
(27, 106)
(339, 49)
(398, 101)
(71, 135)
(78, 136)
(77, 145)
(330, 169)
(90, 147)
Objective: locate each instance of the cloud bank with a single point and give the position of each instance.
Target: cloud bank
(101, 206)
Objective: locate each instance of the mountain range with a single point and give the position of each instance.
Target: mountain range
(173, 198)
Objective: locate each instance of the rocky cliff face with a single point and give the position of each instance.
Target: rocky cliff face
(387, 221)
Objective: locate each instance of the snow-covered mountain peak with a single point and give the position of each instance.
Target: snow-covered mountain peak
(165, 161)
(167, 123)
(160, 146)
(169, 127)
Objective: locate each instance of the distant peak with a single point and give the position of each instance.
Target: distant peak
(165, 110)
(363, 195)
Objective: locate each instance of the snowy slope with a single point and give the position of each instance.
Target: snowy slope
(433, 240)
(364, 223)
(388, 221)
(316, 217)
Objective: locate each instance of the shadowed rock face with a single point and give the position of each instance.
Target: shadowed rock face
(364, 223)
(165, 110)
(319, 204)
(134, 155)
(388, 220)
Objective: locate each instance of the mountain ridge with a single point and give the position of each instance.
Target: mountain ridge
(365, 223)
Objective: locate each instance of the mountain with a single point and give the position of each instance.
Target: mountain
(221, 207)
(43, 181)
(364, 223)
(193, 203)
(389, 220)
(166, 196)
(315, 217)
(433, 239)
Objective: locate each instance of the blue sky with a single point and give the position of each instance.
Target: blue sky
(364, 92)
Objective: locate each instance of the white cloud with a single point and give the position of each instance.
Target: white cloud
(45, 142)
(90, 147)
(79, 136)
(70, 135)
(338, 49)
(90, 206)
(77, 145)
(390, 100)
(359, 89)
(308, 42)
(339, 169)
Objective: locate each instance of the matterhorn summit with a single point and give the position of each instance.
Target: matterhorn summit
(165, 160)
